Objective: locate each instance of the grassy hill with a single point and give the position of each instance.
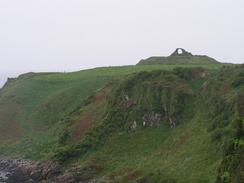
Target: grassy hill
(144, 123)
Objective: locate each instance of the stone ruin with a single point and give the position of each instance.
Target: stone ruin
(181, 52)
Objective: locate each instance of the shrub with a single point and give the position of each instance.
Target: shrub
(64, 136)
(225, 178)
(216, 135)
(232, 165)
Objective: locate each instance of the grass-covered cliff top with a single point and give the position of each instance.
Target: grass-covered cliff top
(144, 123)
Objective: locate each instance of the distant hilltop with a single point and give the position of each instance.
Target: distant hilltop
(179, 56)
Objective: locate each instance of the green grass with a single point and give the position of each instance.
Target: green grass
(39, 101)
(118, 71)
(185, 153)
(43, 99)
(40, 106)
(188, 153)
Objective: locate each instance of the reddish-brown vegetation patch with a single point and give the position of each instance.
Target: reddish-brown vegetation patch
(10, 129)
(183, 139)
(223, 90)
(82, 126)
(91, 114)
(240, 104)
(128, 174)
(133, 175)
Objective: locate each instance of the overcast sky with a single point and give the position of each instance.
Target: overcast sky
(66, 35)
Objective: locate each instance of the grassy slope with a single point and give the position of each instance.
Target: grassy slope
(189, 153)
(159, 150)
(186, 154)
(40, 102)
(43, 99)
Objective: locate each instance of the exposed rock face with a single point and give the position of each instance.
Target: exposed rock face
(149, 99)
(134, 125)
(22, 171)
(128, 103)
(152, 119)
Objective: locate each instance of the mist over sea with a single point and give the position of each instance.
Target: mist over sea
(4, 77)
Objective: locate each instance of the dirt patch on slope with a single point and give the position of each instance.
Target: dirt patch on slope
(10, 129)
(82, 126)
(91, 114)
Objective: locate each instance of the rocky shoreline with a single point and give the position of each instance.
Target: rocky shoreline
(24, 171)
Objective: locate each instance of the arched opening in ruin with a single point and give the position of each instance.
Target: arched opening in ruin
(180, 51)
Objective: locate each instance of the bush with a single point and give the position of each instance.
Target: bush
(216, 135)
(225, 178)
(232, 165)
(239, 80)
(64, 136)
(64, 153)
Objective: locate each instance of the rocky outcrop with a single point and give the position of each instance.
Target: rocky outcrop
(23, 171)
(152, 119)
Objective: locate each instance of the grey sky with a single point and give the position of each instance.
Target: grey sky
(58, 35)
